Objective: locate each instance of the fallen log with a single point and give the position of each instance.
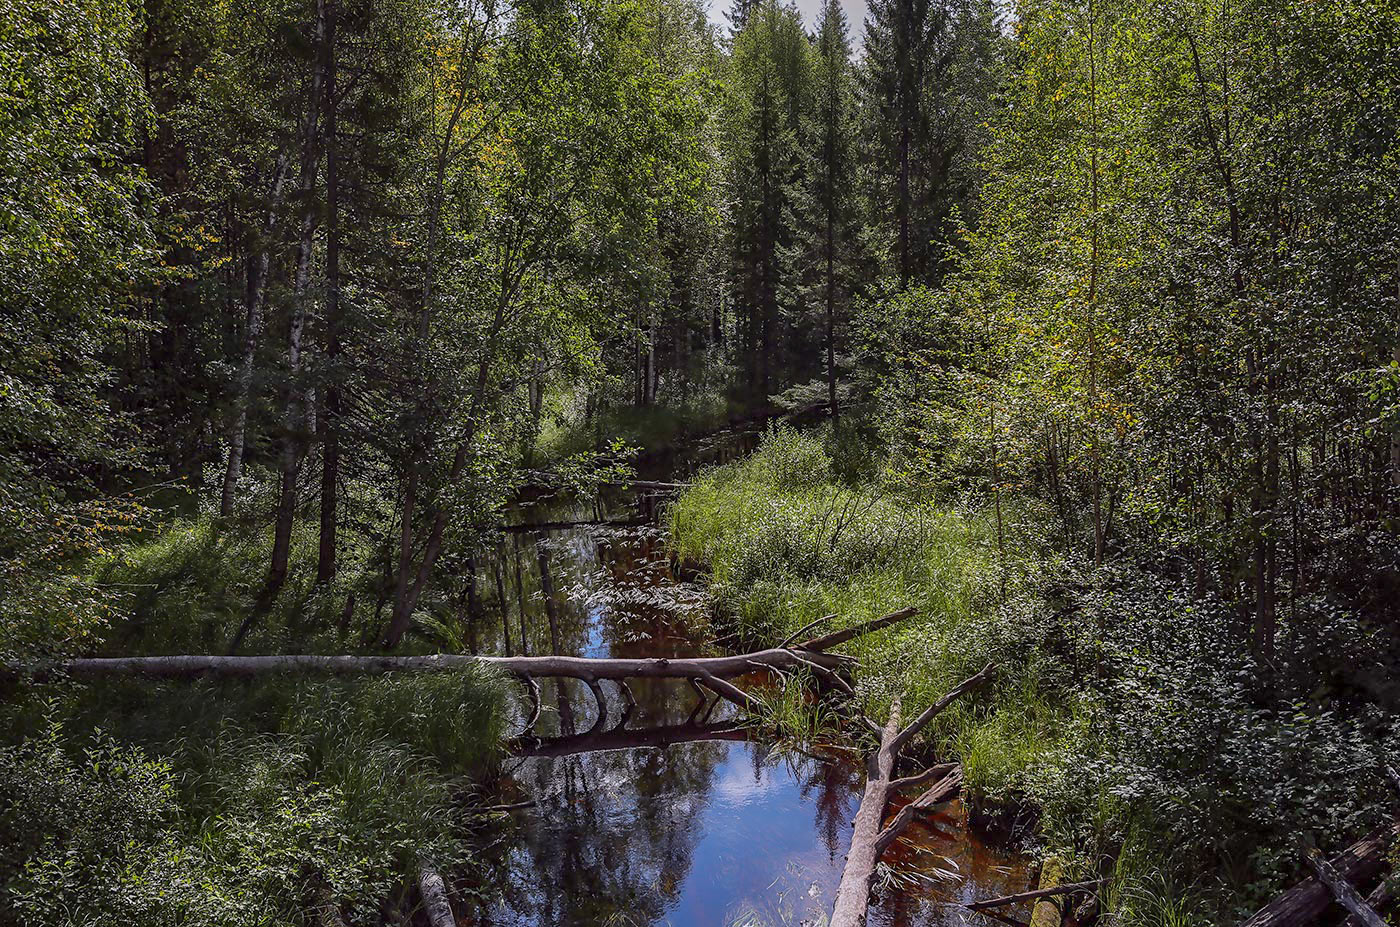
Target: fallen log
(1046, 911)
(712, 673)
(869, 840)
(1003, 900)
(241, 667)
(701, 669)
(1381, 896)
(1305, 902)
(434, 894)
(1346, 894)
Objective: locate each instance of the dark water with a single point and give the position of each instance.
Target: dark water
(667, 814)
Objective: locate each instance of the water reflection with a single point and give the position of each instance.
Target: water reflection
(666, 814)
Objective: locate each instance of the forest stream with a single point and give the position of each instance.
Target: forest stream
(672, 816)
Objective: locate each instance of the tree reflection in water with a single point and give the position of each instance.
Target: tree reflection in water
(666, 819)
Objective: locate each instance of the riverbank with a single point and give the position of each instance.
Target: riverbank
(1114, 721)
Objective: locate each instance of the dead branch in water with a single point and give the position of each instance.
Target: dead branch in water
(1002, 900)
(870, 840)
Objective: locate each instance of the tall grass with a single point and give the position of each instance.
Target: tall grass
(786, 541)
(785, 544)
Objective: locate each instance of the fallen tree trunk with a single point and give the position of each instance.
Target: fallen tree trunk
(434, 894)
(1346, 894)
(869, 840)
(1305, 902)
(239, 667)
(711, 672)
(1380, 897)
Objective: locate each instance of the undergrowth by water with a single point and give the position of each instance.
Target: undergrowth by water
(1122, 713)
(232, 802)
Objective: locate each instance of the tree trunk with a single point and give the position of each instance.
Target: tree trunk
(294, 407)
(330, 419)
(870, 840)
(434, 894)
(1346, 894)
(254, 298)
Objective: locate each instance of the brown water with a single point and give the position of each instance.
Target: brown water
(668, 814)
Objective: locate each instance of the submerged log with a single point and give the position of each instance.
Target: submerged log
(869, 840)
(1305, 902)
(628, 739)
(1002, 900)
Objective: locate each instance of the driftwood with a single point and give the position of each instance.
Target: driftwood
(1003, 900)
(434, 893)
(869, 839)
(1305, 902)
(1346, 894)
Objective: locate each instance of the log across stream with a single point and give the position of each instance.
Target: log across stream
(676, 818)
(646, 800)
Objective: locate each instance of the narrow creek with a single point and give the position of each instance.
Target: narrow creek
(669, 816)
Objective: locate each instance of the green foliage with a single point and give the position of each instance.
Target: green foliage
(1120, 709)
(75, 242)
(297, 794)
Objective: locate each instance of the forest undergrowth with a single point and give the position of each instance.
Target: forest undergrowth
(1123, 719)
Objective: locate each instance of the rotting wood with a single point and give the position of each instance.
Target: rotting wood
(1046, 912)
(1346, 894)
(1305, 902)
(869, 839)
(1002, 900)
(1381, 896)
(434, 894)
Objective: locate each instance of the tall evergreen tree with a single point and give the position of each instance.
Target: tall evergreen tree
(925, 87)
(827, 247)
(768, 84)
